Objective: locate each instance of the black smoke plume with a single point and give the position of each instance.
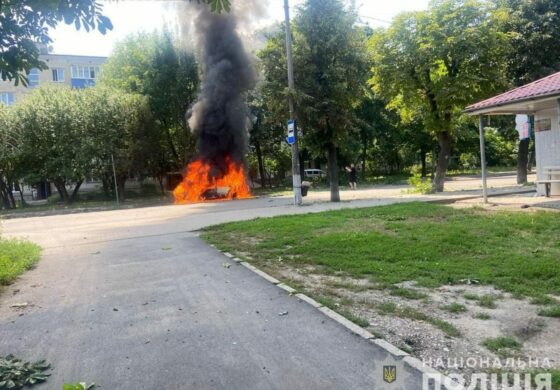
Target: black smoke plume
(219, 118)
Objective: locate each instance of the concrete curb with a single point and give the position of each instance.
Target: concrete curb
(397, 353)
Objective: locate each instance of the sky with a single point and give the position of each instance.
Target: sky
(145, 15)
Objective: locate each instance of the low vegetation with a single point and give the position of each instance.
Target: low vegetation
(15, 258)
(482, 316)
(503, 346)
(431, 244)
(553, 311)
(389, 308)
(455, 308)
(17, 374)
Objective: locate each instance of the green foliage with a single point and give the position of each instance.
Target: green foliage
(65, 135)
(469, 161)
(15, 258)
(9, 157)
(488, 301)
(543, 300)
(217, 5)
(431, 244)
(407, 293)
(500, 150)
(534, 28)
(120, 125)
(553, 311)
(423, 63)
(482, 316)
(24, 23)
(78, 386)
(155, 66)
(424, 68)
(503, 346)
(330, 68)
(421, 185)
(53, 137)
(17, 374)
(455, 308)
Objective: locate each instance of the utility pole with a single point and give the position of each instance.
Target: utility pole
(298, 200)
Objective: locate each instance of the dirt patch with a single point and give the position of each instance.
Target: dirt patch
(420, 320)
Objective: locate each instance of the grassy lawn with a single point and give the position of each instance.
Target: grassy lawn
(432, 244)
(15, 258)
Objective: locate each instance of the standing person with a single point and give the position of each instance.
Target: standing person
(352, 176)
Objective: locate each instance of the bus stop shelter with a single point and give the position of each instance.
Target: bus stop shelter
(540, 99)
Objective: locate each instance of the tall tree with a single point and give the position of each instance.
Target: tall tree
(9, 156)
(155, 66)
(119, 128)
(534, 27)
(431, 64)
(330, 70)
(25, 23)
(53, 139)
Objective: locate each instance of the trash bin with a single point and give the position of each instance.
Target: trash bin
(305, 188)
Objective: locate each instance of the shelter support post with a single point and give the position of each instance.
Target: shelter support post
(483, 159)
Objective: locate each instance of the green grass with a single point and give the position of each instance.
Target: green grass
(471, 297)
(390, 308)
(488, 301)
(482, 316)
(503, 346)
(455, 308)
(553, 311)
(432, 244)
(15, 258)
(544, 300)
(407, 293)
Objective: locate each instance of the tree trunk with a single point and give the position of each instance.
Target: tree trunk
(76, 190)
(61, 188)
(531, 161)
(261, 163)
(107, 186)
(364, 159)
(121, 181)
(7, 200)
(424, 165)
(444, 140)
(161, 186)
(333, 173)
(523, 161)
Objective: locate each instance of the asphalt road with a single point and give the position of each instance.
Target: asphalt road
(133, 299)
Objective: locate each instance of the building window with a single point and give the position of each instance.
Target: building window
(58, 75)
(85, 72)
(7, 98)
(33, 78)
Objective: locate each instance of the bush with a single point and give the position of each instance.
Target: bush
(469, 161)
(421, 185)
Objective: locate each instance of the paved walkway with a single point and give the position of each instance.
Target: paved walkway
(133, 299)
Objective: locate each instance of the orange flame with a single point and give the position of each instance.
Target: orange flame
(198, 183)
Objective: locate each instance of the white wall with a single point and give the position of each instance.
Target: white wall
(547, 148)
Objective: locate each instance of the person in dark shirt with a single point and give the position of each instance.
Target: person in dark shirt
(352, 176)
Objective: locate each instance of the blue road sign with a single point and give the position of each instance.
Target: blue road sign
(291, 132)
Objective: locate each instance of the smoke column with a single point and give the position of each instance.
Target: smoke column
(219, 118)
